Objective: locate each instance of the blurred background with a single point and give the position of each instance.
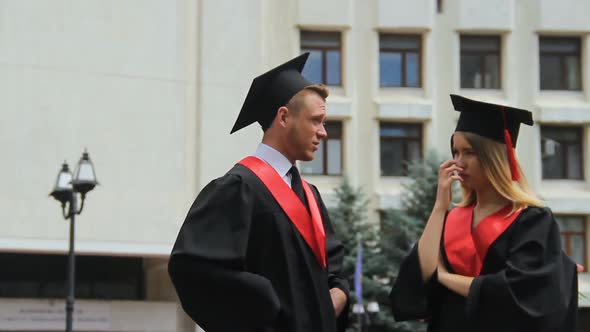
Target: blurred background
(151, 88)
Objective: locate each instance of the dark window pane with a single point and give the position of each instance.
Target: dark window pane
(328, 158)
(19, 288)
(44, 276)
(572, 73)
(483, 44)
(401, 130)
(316, 165)
(400, 143)
(399, 42)
(315, 39)
(561, 134)
(570, 224)
(55, 289)
(559, 45)
(553, 167)
(574, 161)
(577, 248)
(391, 161)
(313, 67)
(573, 236)
(470, 72)
(325, 57)
(550, 72)
(399, 60)
(414, 152)
(334, 156)
(412, 70)
(334, 129)
(491, 78)
(480, 62)
(333, 60)
(560, 63)
(562, 152)
(390, 69)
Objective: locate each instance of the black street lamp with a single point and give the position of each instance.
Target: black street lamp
(65, 191)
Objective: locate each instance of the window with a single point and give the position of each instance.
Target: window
(97, 277)
(560, 65)
(328, 158)
(480, 62)
(573, 237)
(400, 143)
(324, 64)
(399, 60)
(561, 149)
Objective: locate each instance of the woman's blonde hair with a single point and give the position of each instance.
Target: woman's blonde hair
(494, 162)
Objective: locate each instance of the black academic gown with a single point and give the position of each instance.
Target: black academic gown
(526, 283)
(239, 264)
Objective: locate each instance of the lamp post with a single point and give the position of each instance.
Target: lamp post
(66, 190)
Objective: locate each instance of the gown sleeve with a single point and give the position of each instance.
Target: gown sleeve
(335, 252)
(538, 286)
(410, 296)
(207, 262)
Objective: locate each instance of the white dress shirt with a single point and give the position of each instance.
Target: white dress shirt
(276, 160)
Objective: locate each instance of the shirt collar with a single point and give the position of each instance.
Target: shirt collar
(274, 158)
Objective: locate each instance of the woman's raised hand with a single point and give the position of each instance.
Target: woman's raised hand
(447, 173)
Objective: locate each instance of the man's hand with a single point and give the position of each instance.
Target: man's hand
(339, 300)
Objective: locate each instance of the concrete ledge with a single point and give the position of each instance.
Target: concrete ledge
(405, 111)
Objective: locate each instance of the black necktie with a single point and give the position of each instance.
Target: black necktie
(297, 186)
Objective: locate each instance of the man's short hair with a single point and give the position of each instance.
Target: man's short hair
(296, 102)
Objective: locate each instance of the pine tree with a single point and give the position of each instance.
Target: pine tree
(350, 222)
(387, 242)
(401, 228)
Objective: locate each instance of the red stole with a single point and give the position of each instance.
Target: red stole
(466, 250)
(310, 227)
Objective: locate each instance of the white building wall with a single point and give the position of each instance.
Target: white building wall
(110, 76)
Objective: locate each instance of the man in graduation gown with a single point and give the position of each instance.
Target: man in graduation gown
(507, 273)
(256, 251)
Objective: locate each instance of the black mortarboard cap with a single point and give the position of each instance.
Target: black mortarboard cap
(497, 122)
(270, 91)
(487, 119)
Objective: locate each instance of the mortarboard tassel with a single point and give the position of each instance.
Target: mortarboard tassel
(512, 162)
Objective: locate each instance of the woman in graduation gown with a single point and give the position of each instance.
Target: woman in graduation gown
(494, 262)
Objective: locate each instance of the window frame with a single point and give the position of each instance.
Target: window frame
(403, 52)
(481, 58)
(562, 62)
(324, 53)
(567, 235)
(564, 160)
(324, 141)
(404, 140)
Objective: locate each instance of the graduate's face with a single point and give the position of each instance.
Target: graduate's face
(306, 128)
(466, 157)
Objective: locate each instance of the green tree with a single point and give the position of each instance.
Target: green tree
(387, 242)
(351, 224)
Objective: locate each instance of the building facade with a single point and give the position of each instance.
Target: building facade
(152, 88)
